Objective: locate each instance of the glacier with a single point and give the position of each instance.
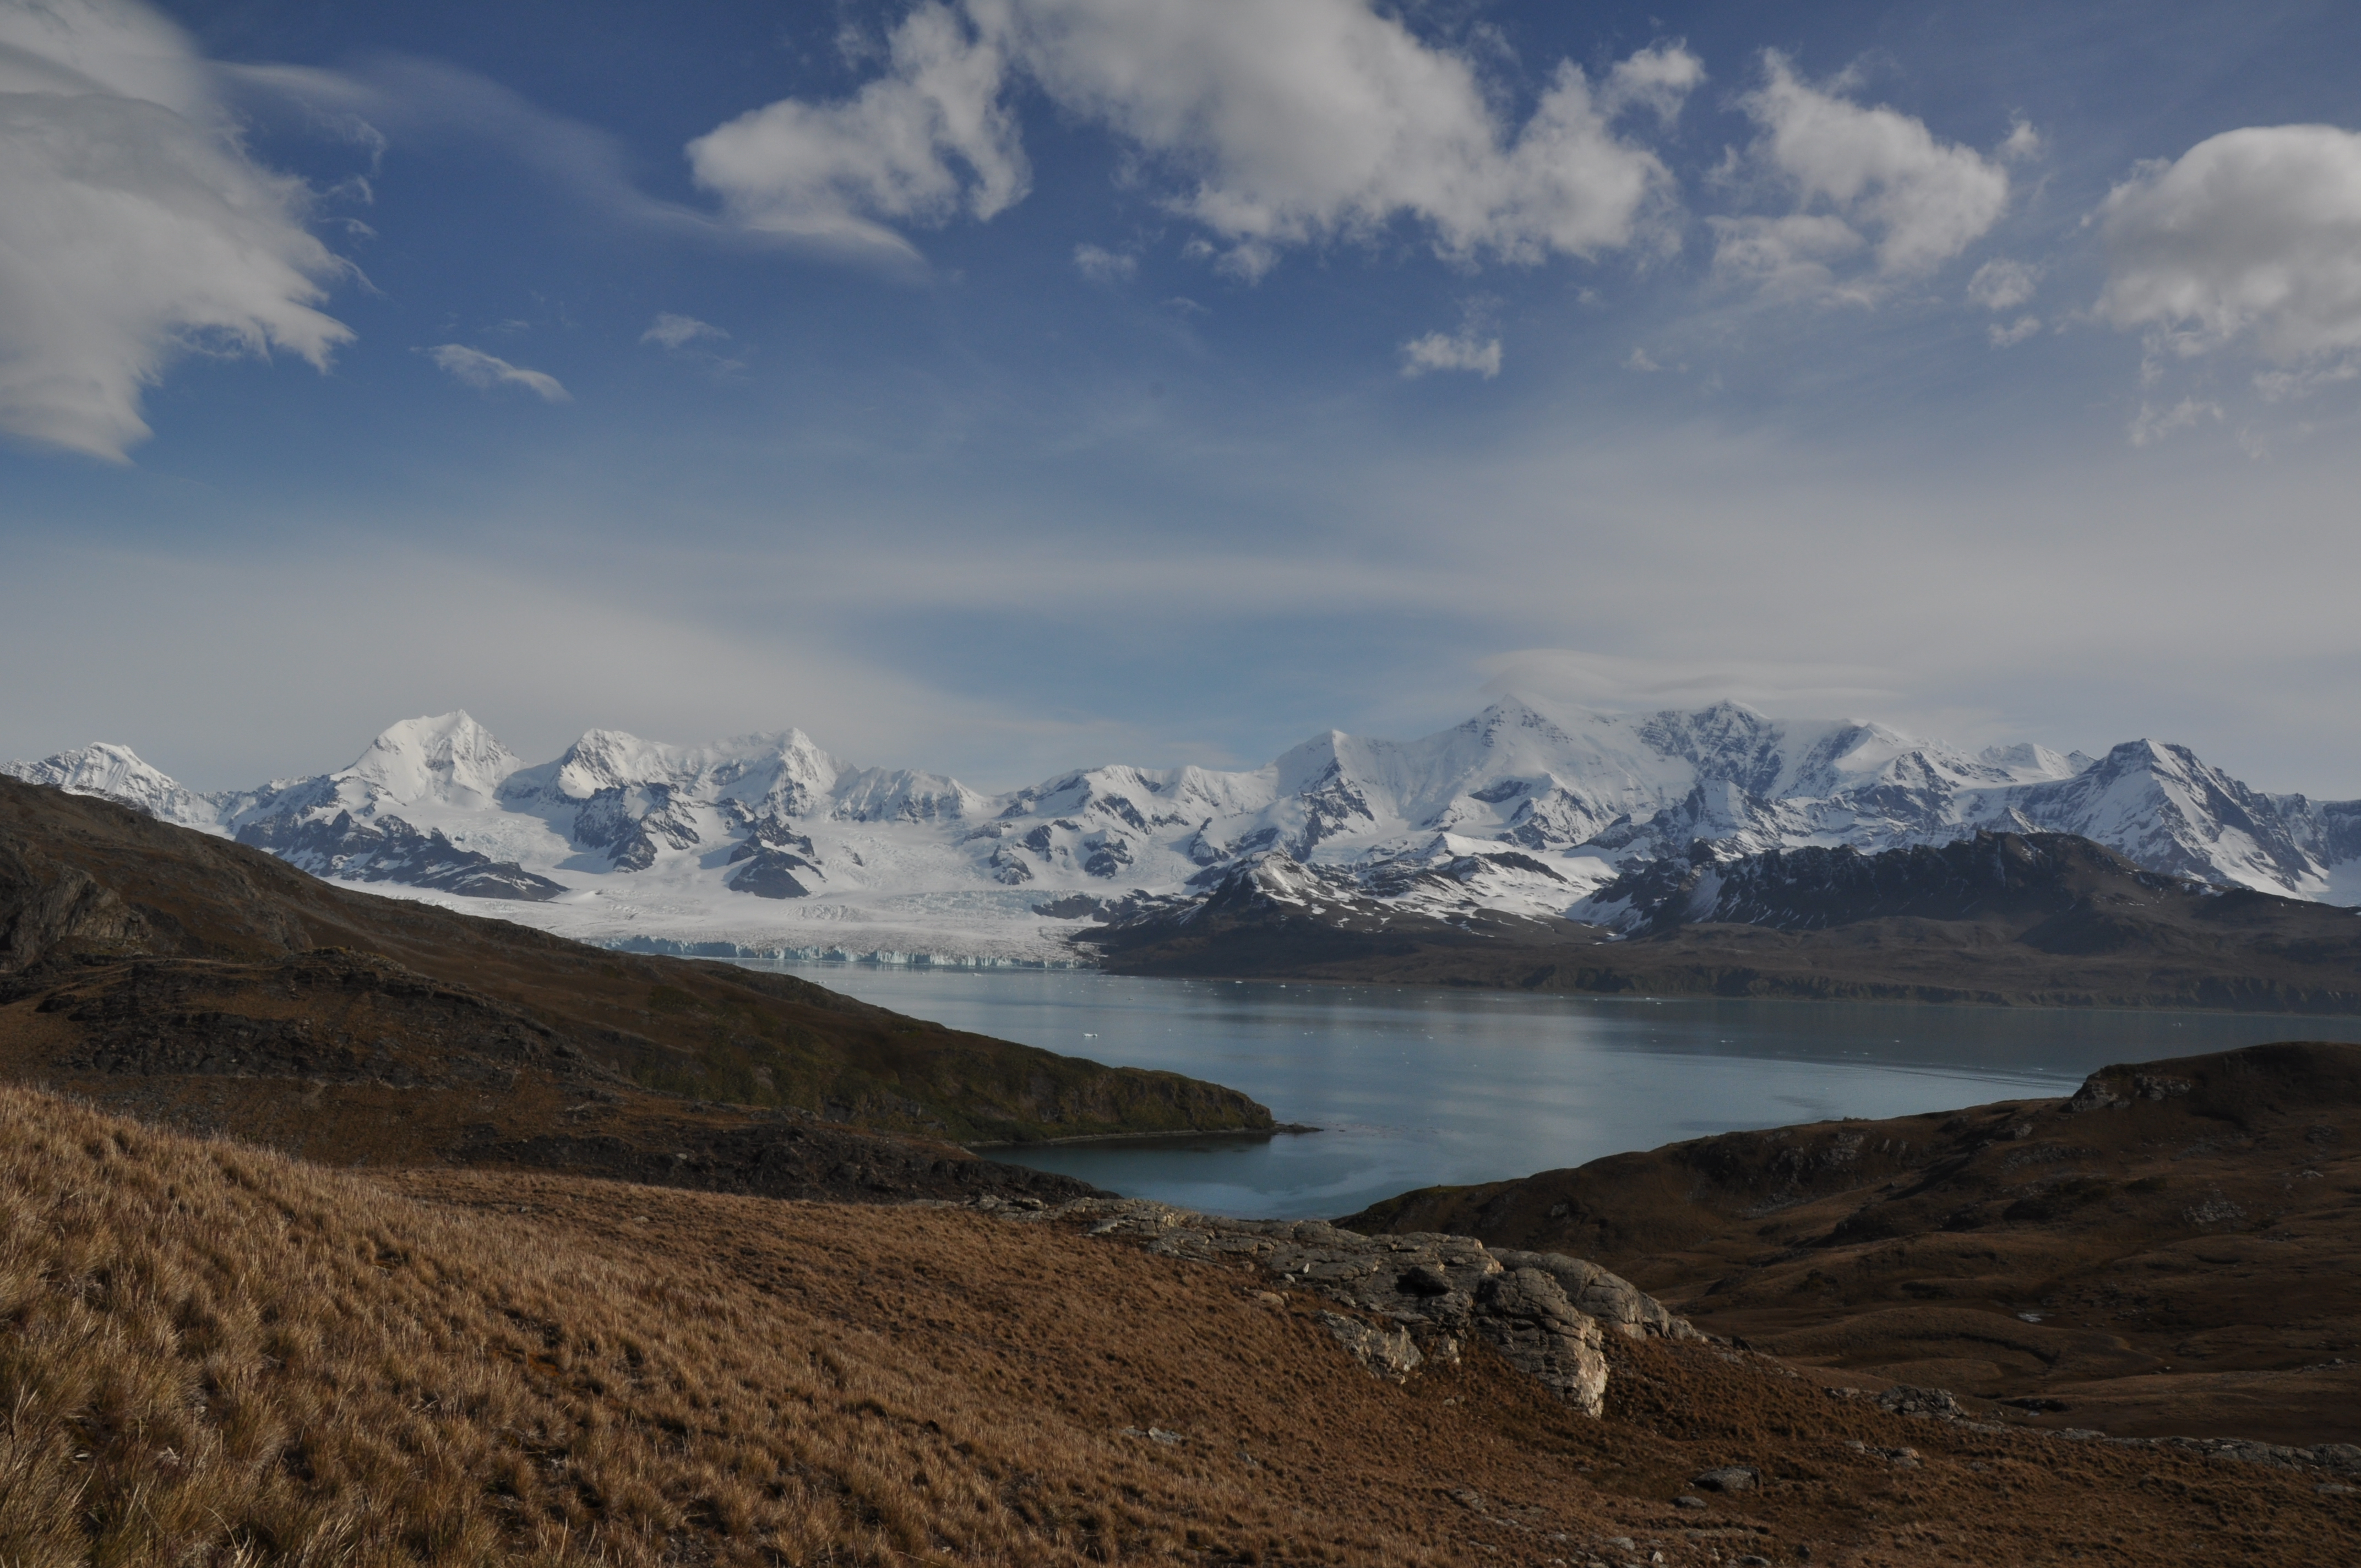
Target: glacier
(766, 845)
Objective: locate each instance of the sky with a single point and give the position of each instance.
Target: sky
(1004, 386)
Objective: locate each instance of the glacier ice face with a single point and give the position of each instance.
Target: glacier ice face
(767, 843)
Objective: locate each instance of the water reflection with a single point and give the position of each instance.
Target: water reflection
(1413, 1086)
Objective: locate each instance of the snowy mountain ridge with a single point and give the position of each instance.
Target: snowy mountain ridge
(766, 843)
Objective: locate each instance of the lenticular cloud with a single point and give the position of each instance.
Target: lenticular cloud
(1281, 121)
(132, 228)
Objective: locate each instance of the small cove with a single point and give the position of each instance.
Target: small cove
(1416, 1086)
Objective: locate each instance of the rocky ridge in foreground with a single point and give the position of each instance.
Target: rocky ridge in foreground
(1415, 1299)
(216, 1347)
(447, 1365)
(1541, 1311)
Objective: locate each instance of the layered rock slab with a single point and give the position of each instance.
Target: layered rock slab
(1429, 1292)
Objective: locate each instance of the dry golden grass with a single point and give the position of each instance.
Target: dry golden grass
(213, 1354)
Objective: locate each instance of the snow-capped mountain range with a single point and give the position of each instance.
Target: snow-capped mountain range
(768, 844)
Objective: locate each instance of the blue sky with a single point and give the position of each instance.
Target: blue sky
(1016, 384)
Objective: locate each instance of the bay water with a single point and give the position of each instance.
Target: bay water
(1416, 1086)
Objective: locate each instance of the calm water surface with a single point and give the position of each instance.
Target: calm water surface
(1411, 1086)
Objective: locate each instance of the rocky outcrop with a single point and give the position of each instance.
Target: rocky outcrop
(46, 908)
(1390, 1353)
(1420, 1297)
(1525, 1315)
(1611, 1298)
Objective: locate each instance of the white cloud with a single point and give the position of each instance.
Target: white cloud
(1103, 265)
(1442, 351)
(2002, 285)
(2023, 143)
(1281, 121)
(2253, 234)
(2014, 332)
(1872, 172)
(1639, 360)
(676, 332)
(132, 228)
(2280, 386)
(1298, 120)
(1659, 79)
(930, 138)
(487, 371)
(2153, 424)
(1792, 256)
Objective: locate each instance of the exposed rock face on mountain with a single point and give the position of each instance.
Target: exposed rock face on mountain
(387, 850)
(173, 975)
(2002, 918)
(2169, 1250)
(767, 843)
(1275, 917)
(2003, 877)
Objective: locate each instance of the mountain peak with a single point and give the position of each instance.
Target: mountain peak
(117, 773)
(674, 839)
(604, 759)
(437, 756)
(2027, 763)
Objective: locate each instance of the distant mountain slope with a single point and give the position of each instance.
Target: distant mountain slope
(2038, 919)
(165, 973)
(767, 843)
(1993, 877)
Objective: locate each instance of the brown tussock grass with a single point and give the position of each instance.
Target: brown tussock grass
(214, 1355)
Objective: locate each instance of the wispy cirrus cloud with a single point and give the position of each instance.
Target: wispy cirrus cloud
(1452, 350)
(134, 228)
(1100, 265)
(676, 332)
(487, 372)
(388, 96)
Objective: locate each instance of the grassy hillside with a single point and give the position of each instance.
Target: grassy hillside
(214, 1355)
(202, 981)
